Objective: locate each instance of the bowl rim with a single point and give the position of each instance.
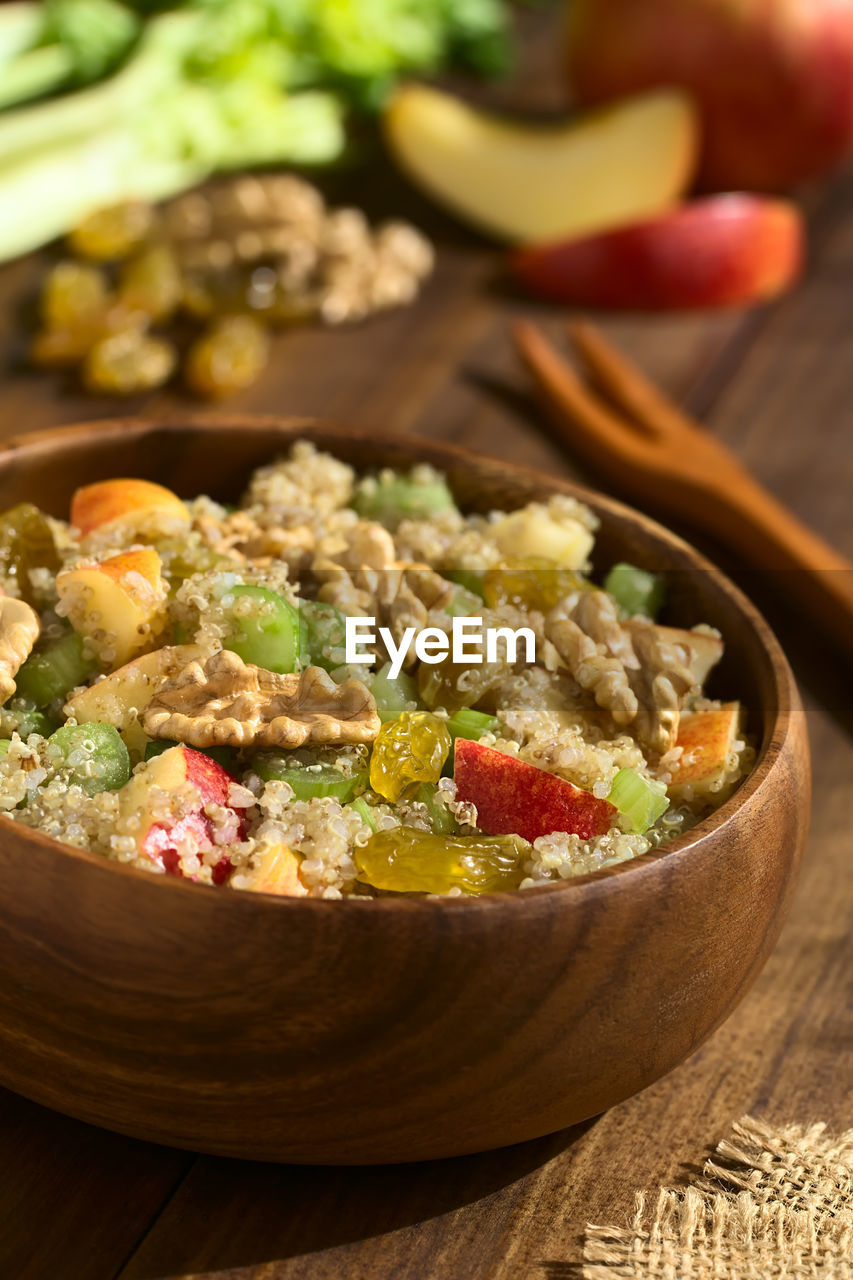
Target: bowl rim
(293, 428)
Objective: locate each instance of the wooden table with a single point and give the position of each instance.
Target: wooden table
(80, 1204)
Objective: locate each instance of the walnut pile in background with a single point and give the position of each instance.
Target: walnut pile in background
(228, 264)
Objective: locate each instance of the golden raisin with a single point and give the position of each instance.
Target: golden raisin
(26, 543)
(454, 685)
(230, 356)
(73, 294)
(151, 282)
(407, 752)
(532, 584)
(406, 860)
(127, 362)
(113, 233)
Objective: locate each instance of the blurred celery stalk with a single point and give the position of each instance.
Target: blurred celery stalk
(192, 132)
(58, 44)
(135, 105)
(148, 132)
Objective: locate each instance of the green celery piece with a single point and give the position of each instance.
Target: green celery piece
(30, 721)
(94, 34)
(171, 143)
(308, 781)
(85, 174)
(637, 800)
(106, 766)
(155, 67)
(269, 637)
(636, 591)
(464, 603)
(363, 810)
(73, 41)
(393, 697)
(470, 579)
(322, 629)
(5, 744)
(443, 822)
(400, 498)
(470, 724)
(34, 73)
(366, 46)
(54, 668)
(21, 29)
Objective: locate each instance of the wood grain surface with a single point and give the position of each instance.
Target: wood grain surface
(79, 1204)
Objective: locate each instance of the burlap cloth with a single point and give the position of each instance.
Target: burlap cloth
(770, 1204)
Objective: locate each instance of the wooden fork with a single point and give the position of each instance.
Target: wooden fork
(643, 444)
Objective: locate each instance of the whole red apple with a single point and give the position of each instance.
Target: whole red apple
(773, 78)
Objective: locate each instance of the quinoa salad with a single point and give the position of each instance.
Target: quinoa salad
(347, 687)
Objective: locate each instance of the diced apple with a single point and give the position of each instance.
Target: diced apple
(540, 182)
(109, 501)
(532, 534)
(162, 809)
(119, 699)
(700, 651)
(707, 740)
(725, 251)
(513, 797)
(118, 603)
(278, 872)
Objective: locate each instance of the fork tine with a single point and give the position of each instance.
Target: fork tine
(596, 432)
(627, 387)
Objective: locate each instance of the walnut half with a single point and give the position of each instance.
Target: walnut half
(224, 701)
(19, 630)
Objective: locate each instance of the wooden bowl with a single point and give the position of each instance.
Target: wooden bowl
(389, 1030)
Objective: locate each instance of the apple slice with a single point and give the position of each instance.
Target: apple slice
(108, 501)
(724, 251)
(700, 651)
(516, 798)
(118, 603)
(707, 739)
(162, 809)
(119, 699)
(278, 872)
(539, 182)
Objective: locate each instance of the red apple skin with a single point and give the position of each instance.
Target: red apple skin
(160, 843)
(513, 797)
(773, 78)
(721, 251)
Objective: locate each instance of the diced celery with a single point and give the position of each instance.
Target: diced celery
(390, 500)
(636, 591)
(393, 697)
(25, 720)
(309, 781)
(443, 822)
(364, 811)
(266, 629)
(5, 744)
(640, 803)
(470, 579)
(222, 755)
(322, 634)
(471, 724)
(55, 667)
(93, 755)
(463, 603)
